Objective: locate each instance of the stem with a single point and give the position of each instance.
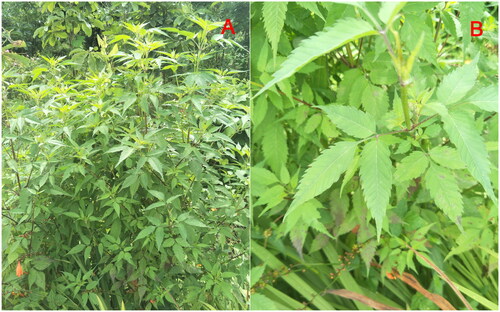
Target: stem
(359, 50)
(15, 159)
(404, 103)
(349, 54)
(438, 28)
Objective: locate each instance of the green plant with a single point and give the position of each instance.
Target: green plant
(383, 112)
(125, 183)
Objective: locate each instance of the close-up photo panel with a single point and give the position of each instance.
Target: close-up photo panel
(249, 155)
(374, 155)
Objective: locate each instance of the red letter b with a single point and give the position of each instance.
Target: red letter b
(476, 25)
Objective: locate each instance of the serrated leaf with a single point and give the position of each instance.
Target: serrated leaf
(414, 27)
(446, 156)
(346, 85)
(273, 195)
(358, 89)
(462, 131)
(456, 84)
(323, 172)
(375, 101)
(156, 165)
(263, 176)
(274, 14)
(368, 252)
(469, 11)
(311, 6)
(145, 232)
(353, 167)
(443, 188)
(412, 166)
(322, 42)
(256, 273)
(312, 123)
(274, 146)
(351, 120)
(485, 98)
(76, 249)
(376, 179)
(126, 152)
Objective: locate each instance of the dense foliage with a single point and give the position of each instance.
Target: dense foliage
(125, 157)
(374, 156)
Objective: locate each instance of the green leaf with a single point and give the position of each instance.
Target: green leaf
(195, 222)
(41, 263)
(275, 147)
(351, 170)
(159, 235)
(323, 172)
(256, 274)
(376, 179)
(145, 232)
(446, 156)
(330, 38)
(411, 167)
(485, 98)
(312, 123)
(76, 249)
(346, 85)
(263, 176)
(389, 10)
(414, 27)
(156, 165)
(375, 101)
(274, 14)
(461, 128)
(272, 196)
(351, 120)
(126, 152)
(443, 188)
(456, 84)
(469, 11)
(179, 252)
(311, 6)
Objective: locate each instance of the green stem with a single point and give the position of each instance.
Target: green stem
(404, 103)
(349, 54)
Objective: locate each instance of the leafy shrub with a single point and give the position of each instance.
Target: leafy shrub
(374, 133)
(125, 178)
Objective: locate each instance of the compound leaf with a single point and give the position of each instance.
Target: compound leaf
(462, 131)
(323, 172)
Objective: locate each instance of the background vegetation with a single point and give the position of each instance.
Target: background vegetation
(125, 156)
(374, 153)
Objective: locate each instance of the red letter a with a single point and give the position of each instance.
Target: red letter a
(228, 26)
(476, 25)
